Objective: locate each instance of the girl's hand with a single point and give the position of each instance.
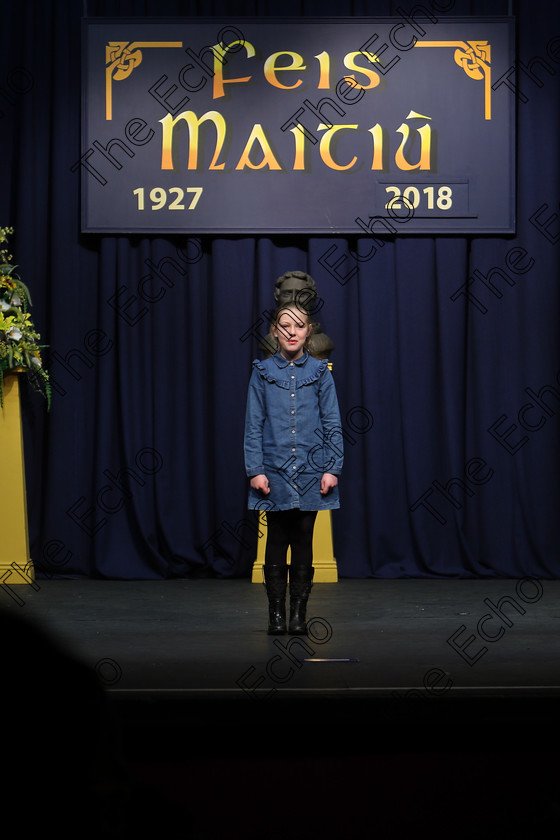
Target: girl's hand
(260, 482)
(328, 481)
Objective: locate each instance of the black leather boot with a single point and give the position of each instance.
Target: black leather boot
(301, 581)
(275, 581)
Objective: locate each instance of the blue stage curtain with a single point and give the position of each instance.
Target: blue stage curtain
(137, 472)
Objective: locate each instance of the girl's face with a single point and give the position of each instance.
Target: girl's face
(291, 330)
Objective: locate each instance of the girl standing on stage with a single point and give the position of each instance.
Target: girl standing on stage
(293, 457)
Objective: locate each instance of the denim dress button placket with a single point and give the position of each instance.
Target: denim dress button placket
(295, 495)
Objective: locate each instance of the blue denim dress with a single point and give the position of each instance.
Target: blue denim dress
(293, 433)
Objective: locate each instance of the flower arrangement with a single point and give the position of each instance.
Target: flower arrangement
(19, 348)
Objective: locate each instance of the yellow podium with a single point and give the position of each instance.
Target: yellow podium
(323, 555)
(15, 563)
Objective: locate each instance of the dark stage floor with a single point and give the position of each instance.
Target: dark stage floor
(397, 640)
(376, 703)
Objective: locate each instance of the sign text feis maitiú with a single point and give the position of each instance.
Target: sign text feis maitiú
(297, 125)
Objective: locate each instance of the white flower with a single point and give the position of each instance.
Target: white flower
(14, 334)
(35, 361)
(16, 300)
(4, 305)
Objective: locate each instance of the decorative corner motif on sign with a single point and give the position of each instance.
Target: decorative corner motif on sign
(474, 59)
(121, 58)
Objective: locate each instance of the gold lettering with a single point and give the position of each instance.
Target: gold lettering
(193, 123)
(219, 80)
(258, 136)
(270, 68)
(425, 133)
(325, 146)
(377, 134)
(299, 156)
(372, 75)
(325, 66)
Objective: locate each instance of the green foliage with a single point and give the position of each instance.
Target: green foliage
(19, 341)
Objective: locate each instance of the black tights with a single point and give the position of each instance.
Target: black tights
(293, 528)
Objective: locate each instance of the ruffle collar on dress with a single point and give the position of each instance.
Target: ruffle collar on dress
(277, 372)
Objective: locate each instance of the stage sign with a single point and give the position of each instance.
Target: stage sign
(307, 125)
